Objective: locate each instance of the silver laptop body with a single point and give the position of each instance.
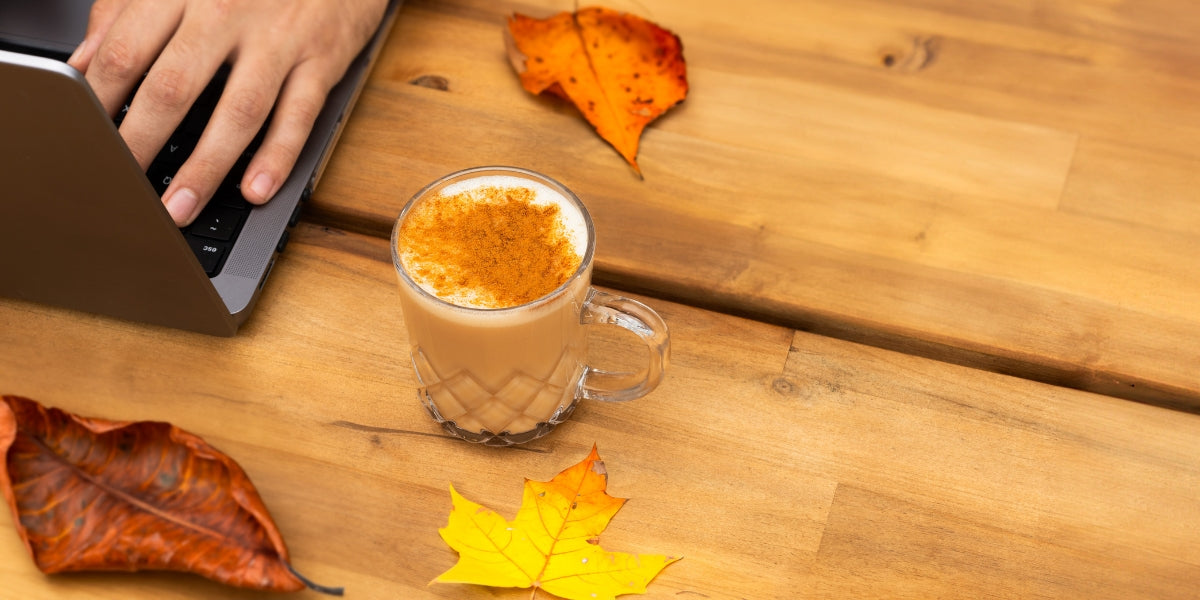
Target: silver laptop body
(80, 224)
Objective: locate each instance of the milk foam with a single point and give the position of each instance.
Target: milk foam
(570, 218)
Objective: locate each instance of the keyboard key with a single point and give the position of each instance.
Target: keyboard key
(195, 121)
(229, 193)
(197, 118)
(210, 252)
(216, 222)
(160, 176)
(120, 117)
(177, 149)
(232, 199)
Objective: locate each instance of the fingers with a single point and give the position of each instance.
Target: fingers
(240, 113)
(296, 110)
(186, 41)
(103, 14)
(193, 51)
(129, 42)
(171, 87)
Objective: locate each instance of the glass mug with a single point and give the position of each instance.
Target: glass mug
(509, 375)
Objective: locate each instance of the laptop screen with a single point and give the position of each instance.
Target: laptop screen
(49, 25)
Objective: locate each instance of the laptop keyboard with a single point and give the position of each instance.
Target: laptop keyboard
(214, 231)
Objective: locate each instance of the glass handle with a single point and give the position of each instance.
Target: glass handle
(609, 309)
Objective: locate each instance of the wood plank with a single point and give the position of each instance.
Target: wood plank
(1110, 175)
(924, 552)
(1003, 185)
(778, 463)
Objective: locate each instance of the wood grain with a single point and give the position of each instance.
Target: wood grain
(1005, 185)
(779, 463)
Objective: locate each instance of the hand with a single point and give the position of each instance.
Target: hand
(283, 53)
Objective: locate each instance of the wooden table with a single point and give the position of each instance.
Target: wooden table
(1011, 186)
(780, 464)
(971, 198)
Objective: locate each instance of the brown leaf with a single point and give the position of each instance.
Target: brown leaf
(97, 495)
(619, 70)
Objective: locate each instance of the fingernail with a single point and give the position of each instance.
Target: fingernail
(77, 52)
(181, 204)
(262, 185)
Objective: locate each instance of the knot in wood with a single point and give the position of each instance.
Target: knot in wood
(921, 54)
(436, 82)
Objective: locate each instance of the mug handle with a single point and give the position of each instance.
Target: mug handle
(610, 309)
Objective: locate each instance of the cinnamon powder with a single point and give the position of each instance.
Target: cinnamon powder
(489, 247)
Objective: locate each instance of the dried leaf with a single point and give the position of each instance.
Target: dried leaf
(619, 70)
(552, 545)
(97, 495)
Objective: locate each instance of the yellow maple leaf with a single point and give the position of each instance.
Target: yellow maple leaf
(552, 544)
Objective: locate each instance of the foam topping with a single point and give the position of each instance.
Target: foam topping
(492, 242)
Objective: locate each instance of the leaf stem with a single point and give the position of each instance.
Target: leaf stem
(331, 591)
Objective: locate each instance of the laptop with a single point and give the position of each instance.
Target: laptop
(83, 227)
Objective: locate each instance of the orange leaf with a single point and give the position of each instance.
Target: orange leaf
(619, 70)
(552, 544)
(96, 495)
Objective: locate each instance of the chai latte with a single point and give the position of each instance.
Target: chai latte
(494, 272)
